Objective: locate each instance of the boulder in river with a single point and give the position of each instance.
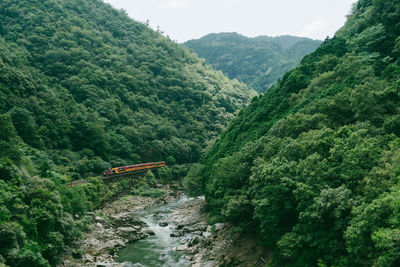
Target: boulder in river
(195, 228)
(180, 248)
(163, 224)
(148, 232)
(125, 219)
(194, 241)
(176, 234)
(129, 233)
(180, 226)
(187, 257)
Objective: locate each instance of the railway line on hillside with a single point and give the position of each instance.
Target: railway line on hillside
(130, 170)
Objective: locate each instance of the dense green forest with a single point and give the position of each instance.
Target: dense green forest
(258, 62)
(84, 87)
(313, 165)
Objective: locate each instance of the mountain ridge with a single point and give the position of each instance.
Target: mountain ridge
(257, 61)
(311, 166)
(82, 88)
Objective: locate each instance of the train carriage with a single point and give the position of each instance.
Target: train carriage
(133, 168)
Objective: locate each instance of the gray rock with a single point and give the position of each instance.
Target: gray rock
(180, 248)
(206, 234)
(148, 232)
(203, 227)
(218, 226)
(126, 219)
(128, 232)
(187, 229)
(194, 241)
(99, 225)
(187, 257)
(195, 250)
(163, 224)
(99, 219)
(180, 226)
(194, 228)
(176, 234)
(88, 258)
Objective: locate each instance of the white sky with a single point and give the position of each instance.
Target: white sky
(183, 20)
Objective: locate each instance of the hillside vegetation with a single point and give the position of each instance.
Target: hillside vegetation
(258, 62)
(312, 166)
(84, 87)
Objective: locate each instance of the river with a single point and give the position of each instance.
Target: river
(158, 249)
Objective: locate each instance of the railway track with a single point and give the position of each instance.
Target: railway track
(131, 170)
(106, 178)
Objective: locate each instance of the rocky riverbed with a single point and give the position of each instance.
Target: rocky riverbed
(115, 229)
(114, 226)
(209, 245)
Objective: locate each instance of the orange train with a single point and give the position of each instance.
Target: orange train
(133, 168)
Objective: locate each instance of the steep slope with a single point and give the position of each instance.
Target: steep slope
(313, 164)
(259, 62)
(82, 87)
(81, 76)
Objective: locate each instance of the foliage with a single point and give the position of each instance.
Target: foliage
(83, 87)
(193, 181)
(148, 192)
(314, 162)
(258, 62)
(92, 86)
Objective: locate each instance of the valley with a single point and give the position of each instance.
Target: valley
(258, 62)
(269, 151)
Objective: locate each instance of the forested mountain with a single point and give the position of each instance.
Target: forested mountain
(83, 87)
(313, 164)
(81, 76)
(259, 62)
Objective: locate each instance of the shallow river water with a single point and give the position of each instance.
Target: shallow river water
(156, 250)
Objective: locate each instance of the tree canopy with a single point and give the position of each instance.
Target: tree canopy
(84, 87)
(258, 62)
(313, 163)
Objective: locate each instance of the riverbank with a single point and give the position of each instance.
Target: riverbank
(112, 227)
(215, 245)
(191, 240)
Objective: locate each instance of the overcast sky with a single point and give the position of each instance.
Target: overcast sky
(183, 20)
